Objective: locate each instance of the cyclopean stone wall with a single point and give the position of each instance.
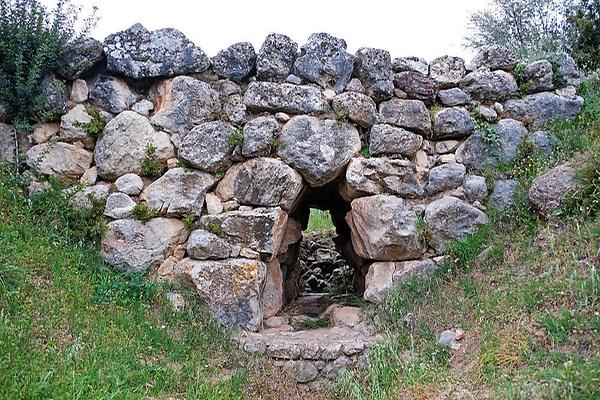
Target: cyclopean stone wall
(247, 142)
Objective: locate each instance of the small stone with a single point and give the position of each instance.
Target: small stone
(408, 114)
(447, 71)
(282, 117)
(304, 371)
(329, 94)
(143, 107)
(130, 184)
(275, 322)
(475, 187)
(503, 194)
(213, 204)
(89, 177)
(118, 206)
(374, 69)
(237, 62)
(453, 97)
(112, 94)
(177, 301)
(276, 57)
(346, 316)
(446, 146)
(357, 107)
(386, 139)
(452, 123)
(79, 91)
(293, 79)
(416, 64)
(44, 132)
(204, 245)
(444, 177)
(487, 113)
(448, 339)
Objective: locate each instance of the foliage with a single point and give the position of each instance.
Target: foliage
(586, 199)
(586, 23)
(365, 151)
(490, 136)
(319, 221)
(95, 127)
(143, 213)
(32, 39)
(150, 166)
(189, 220)
(528, 164)
(527, 27)
(214, 228)
(236, 138)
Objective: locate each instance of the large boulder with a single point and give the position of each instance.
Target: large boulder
(417, 86)
(324, 61)
(184, 102)
(356, 107)
(231, 288)
(208, 146)
(237, 62)
(275, 58)
(179, 192)
(476, 152)
(447, 71)
(411, 64)
(124, 145)
(548, 190)
(493, 57)
(261, 182)
(384, 228)
(138, 53)
(538, 76)
(445, 177)
(286, 97)
(112, 94)
(541, 108)
(452, 123)
(489, 86)
(80, 57)
(408, 114)
(374, 68)
(132, 246)
(387, 139)
(260, 229)
(65, 161)
(318, 149)
(371, 176)
(449, 218)
(259, 136)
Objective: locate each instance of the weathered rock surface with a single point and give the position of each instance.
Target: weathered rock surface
(130, 184)
(356, 107)
(324, 61)
(374, 69)
(387, 139)
(80, 57)
(204, 245)
(55, 99)
(371, 176)
(452, 123)
(79, 91)
(541, 108)
(486, 85)
(475, 187)
(417, 86)
(132, 246)
(548, 190)
(182, 103)
(123, 145)
(384, 228)
(112, 94)
(503, 194)
(447, 71)
(231, 288)
(494, 57)
(7, 143)
(408, 114)
(261, 182)
(260, 229)
(319, 150)
(138, 53)
(179, 192)
(449, 218)
(379, 281)
(542, 141)
(538, 76)
(294, 99)
(444, 177)
(272, 297)
(237, 62)
(72, 125)
(259, 136)
(275, 58)
(119, 206)
(453, 97)
(65, 161)
(208, 146)
(416, 64)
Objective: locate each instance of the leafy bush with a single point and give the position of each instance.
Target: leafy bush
(150, 166)
(95, 127)
(143, 213)
(31, 42)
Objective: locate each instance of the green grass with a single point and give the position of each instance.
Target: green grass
(70, 327)
(319, 221)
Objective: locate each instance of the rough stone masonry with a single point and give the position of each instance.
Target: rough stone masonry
(247, 141)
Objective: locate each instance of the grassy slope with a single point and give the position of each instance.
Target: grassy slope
(530, 309)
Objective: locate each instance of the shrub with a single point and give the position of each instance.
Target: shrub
(236, 138)
(214, 229)
(142, 213)
(31, 42)
(150, 166)
(189, 220)
(95, 127)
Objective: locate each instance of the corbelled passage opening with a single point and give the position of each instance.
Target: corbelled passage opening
(321, 267)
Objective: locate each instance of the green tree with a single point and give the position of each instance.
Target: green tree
(586, 25)
(32, 39)
(528, 27)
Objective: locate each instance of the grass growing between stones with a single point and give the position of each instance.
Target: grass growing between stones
(70, 327)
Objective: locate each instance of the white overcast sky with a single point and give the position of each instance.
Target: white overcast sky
(424, 28)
